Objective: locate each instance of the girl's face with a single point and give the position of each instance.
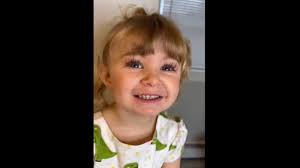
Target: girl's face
(145, 85)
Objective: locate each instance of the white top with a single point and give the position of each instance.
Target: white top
(166, 145)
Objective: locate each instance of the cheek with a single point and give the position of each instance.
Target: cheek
(173, 85)
(176, 89)
(123, 82)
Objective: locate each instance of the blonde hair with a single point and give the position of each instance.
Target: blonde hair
(137, 34)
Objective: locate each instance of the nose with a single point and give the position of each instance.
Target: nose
(151, 79)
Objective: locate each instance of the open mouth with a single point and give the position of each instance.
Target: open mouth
(148, 97)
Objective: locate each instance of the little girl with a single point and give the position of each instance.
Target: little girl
(144, 62)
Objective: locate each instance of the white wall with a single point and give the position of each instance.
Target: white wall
(107, 11)
(196, 36)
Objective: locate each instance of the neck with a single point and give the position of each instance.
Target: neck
(132, 120)
(129, 127)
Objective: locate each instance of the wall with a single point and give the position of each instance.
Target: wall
(106, 11)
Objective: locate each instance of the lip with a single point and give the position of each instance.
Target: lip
(151, 101)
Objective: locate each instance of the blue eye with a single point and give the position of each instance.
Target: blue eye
(134, 64)
(168, 67)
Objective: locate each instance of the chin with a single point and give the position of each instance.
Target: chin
(147, 112)
(150, 112)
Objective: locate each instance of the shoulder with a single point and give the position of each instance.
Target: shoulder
(170, 120)
(170, 127)
(99, 120)
(176, 136)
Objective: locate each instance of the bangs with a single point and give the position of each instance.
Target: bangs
(141, 36)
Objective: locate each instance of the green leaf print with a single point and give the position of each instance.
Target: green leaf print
(172, 147)
(177, 119)
(167, 116)
(131, 165)
(159, 145)
(102, 151)
(164, 114)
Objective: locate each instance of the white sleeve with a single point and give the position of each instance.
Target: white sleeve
(177, 146)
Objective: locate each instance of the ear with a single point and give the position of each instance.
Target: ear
(104, 75)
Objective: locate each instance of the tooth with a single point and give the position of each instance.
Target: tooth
(147, 97)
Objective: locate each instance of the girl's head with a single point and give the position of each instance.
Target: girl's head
(144, 62)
